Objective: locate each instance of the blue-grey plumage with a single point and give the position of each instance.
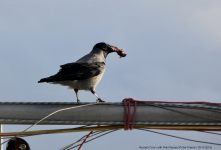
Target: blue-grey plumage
(85, 73)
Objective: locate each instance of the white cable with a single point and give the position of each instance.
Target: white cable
(49, 116)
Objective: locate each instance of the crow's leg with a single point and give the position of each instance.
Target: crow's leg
(76, 91)
(93, 92)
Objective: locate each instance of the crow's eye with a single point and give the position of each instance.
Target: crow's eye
(22, 146)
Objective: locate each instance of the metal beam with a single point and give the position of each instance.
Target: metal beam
(107, 113)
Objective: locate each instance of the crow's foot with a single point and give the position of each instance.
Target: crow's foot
(99, 100)
(78, 101)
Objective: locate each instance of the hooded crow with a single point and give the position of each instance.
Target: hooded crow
(85, 73)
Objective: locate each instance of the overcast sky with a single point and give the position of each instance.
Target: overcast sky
(173, 47)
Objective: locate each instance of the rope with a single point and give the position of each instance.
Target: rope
(181, 137)
(127, 101)
(127, 115)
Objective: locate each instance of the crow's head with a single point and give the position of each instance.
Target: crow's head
(109, 49)
(17, 144)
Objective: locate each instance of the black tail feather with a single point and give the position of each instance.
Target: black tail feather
(53, 79)
(49, 79)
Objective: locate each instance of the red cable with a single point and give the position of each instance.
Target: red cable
(125, 114)
(128, 116)
(85, 139)
(135, 108)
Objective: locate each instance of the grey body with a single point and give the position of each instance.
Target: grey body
(89, 83)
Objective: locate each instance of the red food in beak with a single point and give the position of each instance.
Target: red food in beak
(120, 52)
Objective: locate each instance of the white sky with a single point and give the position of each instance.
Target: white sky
(173, 47)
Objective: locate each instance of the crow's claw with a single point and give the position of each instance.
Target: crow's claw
(99, 100)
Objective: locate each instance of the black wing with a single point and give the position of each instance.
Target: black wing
(76, 71)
